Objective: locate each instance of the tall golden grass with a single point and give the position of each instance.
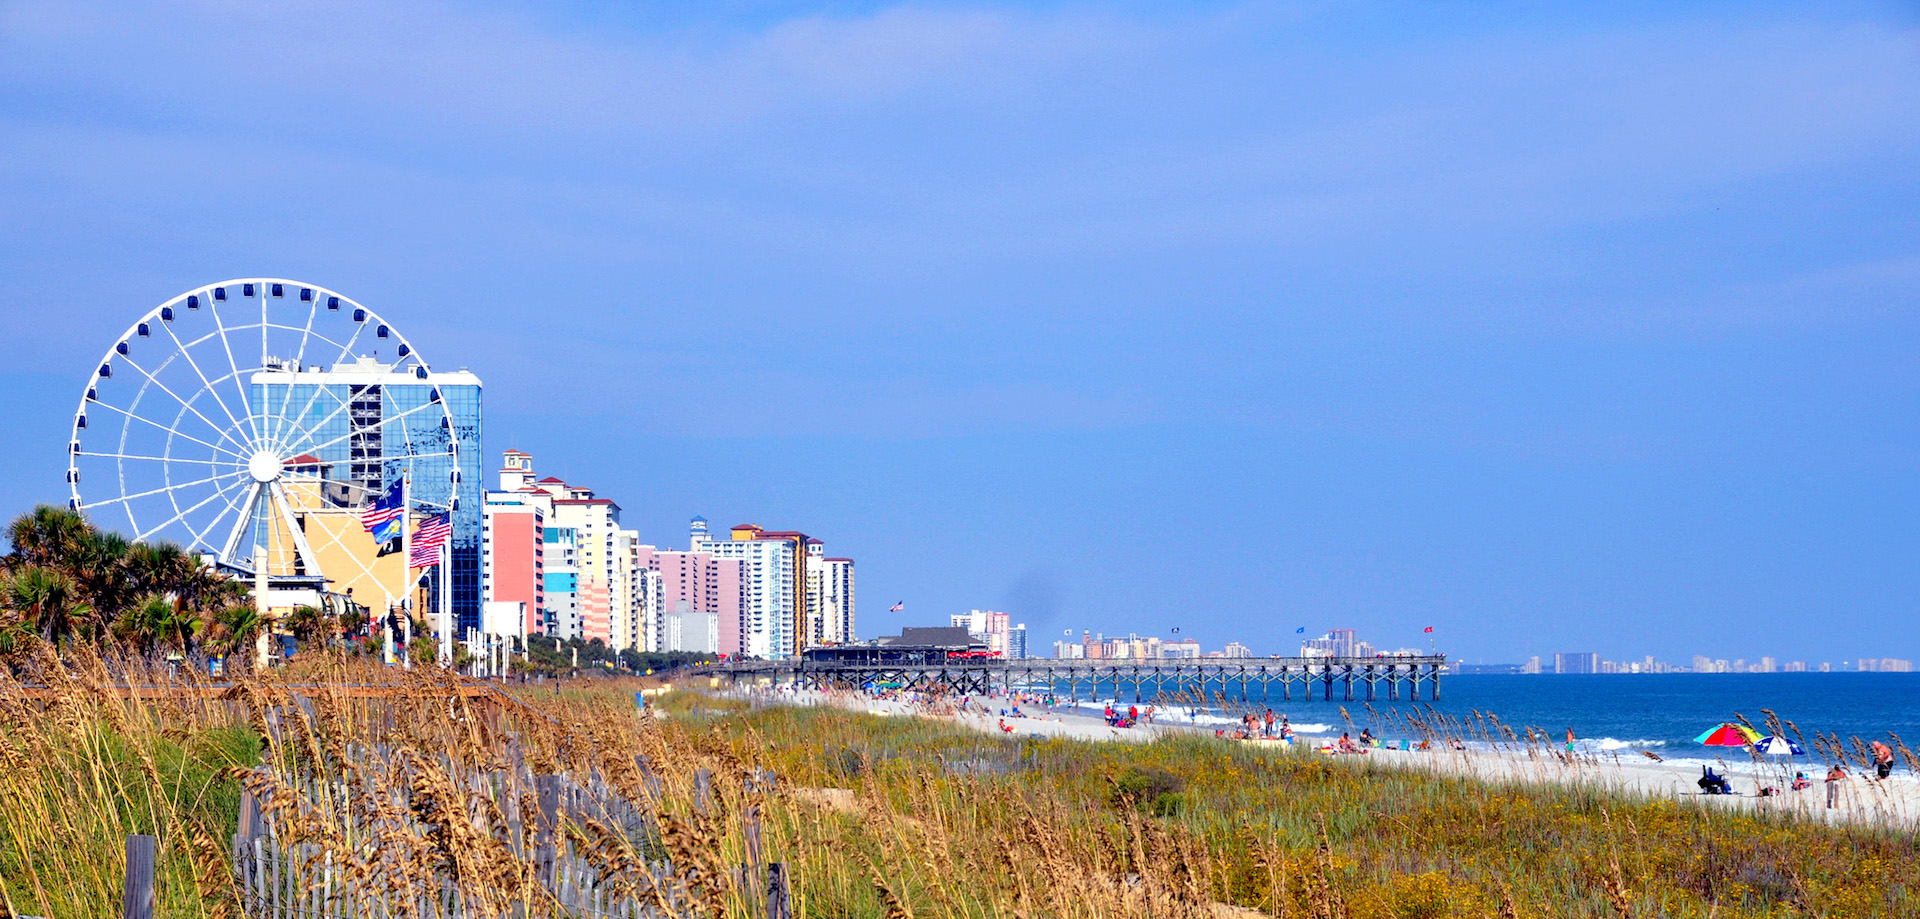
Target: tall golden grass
(940, 821)
(874, 817)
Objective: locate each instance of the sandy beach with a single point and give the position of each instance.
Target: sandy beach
(1894, 801)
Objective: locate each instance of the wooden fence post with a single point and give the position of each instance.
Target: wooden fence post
(548, 791)
(136, 899)
(250, 819)
(779, 902)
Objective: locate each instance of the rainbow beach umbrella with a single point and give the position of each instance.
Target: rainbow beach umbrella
(1728, 734)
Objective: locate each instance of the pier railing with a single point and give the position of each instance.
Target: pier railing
(1373, 678)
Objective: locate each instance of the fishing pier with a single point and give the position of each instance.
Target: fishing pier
(1357, 679)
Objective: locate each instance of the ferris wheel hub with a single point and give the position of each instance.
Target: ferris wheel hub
(264, 466)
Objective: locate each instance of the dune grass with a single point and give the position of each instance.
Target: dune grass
(83, 768)
(874, 817)
(955, 823)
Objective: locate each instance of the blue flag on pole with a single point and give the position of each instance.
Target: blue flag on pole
(386, 517)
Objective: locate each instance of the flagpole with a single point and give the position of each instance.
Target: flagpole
(406, 562)
(446, 595)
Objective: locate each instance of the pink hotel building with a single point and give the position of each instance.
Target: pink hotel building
(691, 585)
(513, 558)
(694, 584)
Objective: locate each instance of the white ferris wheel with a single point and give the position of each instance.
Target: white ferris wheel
(228, 415)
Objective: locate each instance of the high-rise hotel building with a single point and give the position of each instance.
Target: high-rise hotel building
(556, 554)
(359, 412)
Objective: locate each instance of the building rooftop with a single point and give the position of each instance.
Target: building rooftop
(932, 637)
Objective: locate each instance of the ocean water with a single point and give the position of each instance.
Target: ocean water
(1627, 713)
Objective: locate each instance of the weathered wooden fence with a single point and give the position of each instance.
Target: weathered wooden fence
(307, 881)
(406, 834)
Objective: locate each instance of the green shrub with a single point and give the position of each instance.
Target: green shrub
(1152, 789)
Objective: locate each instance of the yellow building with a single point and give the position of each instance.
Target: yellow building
(339, 545)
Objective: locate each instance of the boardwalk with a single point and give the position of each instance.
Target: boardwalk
(1372, 678)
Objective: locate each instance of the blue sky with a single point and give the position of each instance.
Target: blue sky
(1555, 329)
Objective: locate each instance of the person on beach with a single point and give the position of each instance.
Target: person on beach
(1269, 718)
(1366, 737)
(1801, 782)
(1835, 776)
(1569, 740)
(1882, 759)
(1133, 714)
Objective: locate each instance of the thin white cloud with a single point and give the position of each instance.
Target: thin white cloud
(958, 166)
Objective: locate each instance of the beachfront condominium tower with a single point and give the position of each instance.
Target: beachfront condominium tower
(362, 410)
(635, 599)
(691, 586)
(561, 580)
(605, 591)
(600, 566)
(513, 543)
(773, 594)
(829, 597)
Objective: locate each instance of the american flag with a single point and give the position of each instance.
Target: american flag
(427, 540)
(897, 607)
(384, 511)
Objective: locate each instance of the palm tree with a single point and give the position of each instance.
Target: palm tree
(48, 599)
(235, 626)
(98, 563)
(144, 623)
(46, 536)
(66, 580)
(310, 624)
(157, 621)
(16, 638)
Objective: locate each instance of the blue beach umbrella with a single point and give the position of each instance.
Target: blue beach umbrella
(1776, 745)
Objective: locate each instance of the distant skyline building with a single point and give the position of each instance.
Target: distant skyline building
(777, 591)
(1336, 643)
(992, 628)
(1576, 662)
(1180, 649)
(695, 583)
